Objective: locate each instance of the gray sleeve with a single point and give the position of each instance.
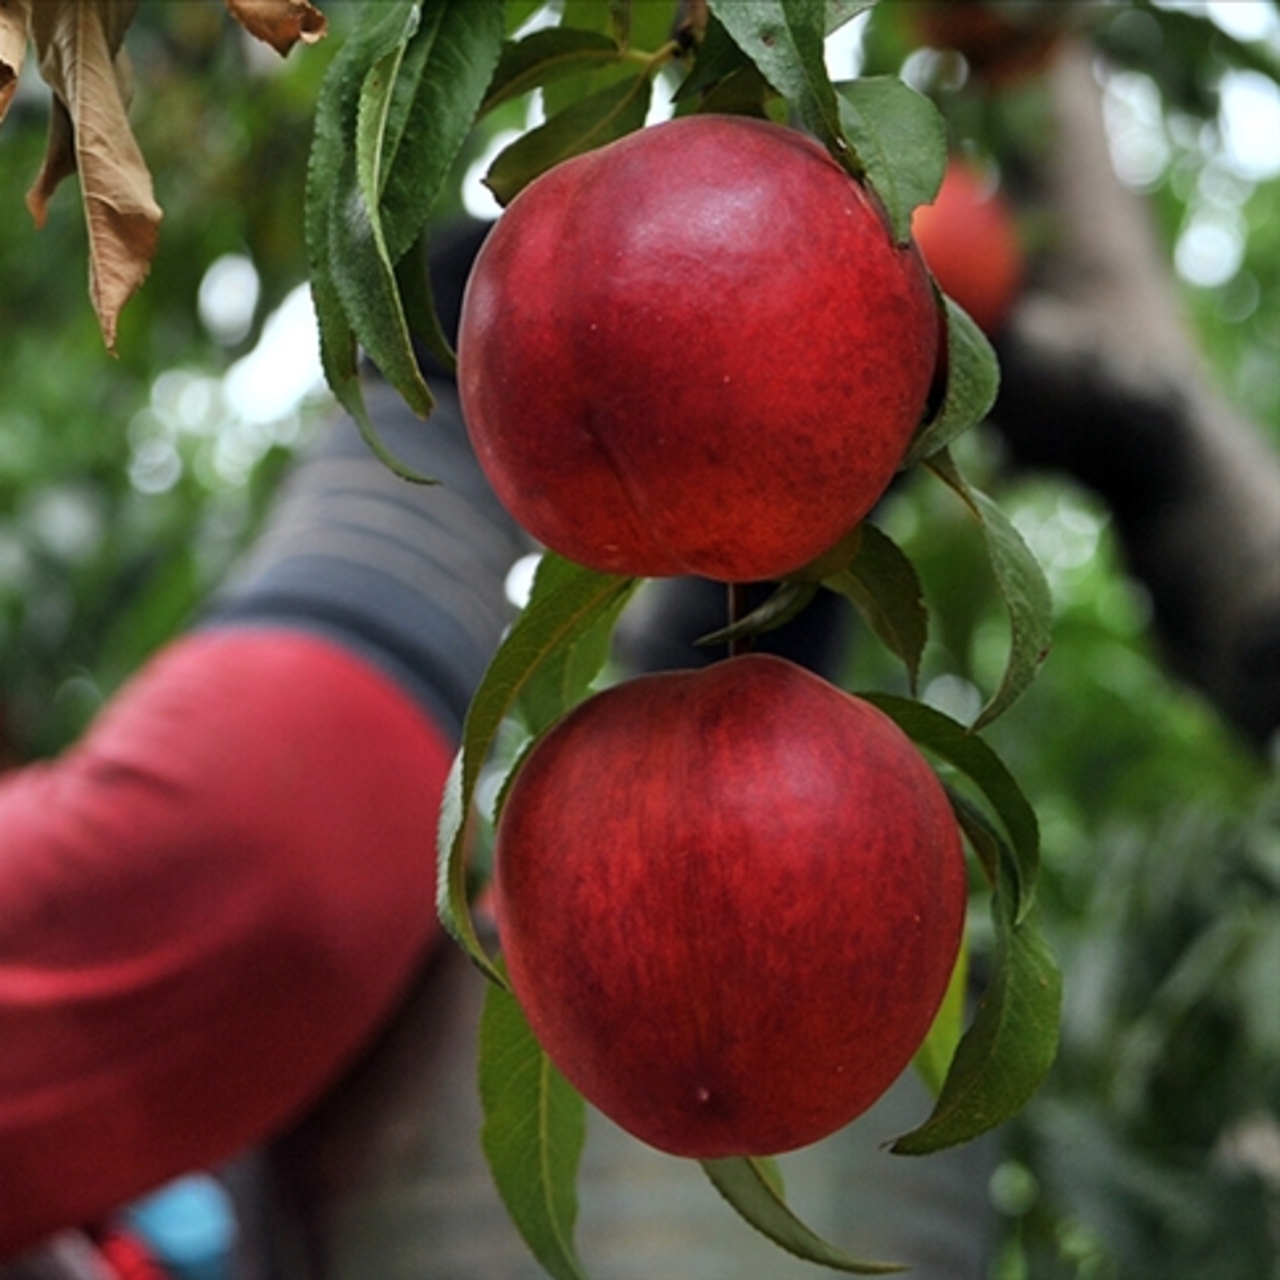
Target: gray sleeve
(412, 577)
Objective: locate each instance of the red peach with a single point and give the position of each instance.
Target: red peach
(730, 902)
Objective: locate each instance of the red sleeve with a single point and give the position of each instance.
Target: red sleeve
(206, 908)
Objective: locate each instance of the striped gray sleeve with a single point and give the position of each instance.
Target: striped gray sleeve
(410, 576)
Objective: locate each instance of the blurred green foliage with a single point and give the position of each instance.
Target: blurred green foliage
(113, 525)
(1154, 1148)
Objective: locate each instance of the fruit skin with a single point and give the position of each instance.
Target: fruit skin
(695, 350)
(969, 238)
(730, 901)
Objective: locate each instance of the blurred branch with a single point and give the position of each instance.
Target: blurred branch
(1103, 380)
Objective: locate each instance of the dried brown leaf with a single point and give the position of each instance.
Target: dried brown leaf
(78, 44)
(59, 162)
(15, 27)
(280, 23)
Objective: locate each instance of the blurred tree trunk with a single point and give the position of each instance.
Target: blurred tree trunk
(1102, 380)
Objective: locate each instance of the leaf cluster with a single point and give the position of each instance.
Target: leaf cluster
(1149, 1142)
(80, 51)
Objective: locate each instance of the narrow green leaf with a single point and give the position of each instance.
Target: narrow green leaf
(374, 103)
(604, 116)
(519, 12)
(1022, 586)
(744, 92)
(901, 141)
(416, 107)
(591, 15)
(533, 1133)
(565, 91)
(361, 265)
(949, 740)
(566, 602)
(840, 12)
(566, 676)
(364, 279)
(653, 26)
(349, 265)
(620, 20)
(413, 281)
(437, 93)
(934, 1057)
(990, 847)
(784, 38)
(717, 59)
(973, 380)
(785, 603)
(380, 31)
(383, 147)
(548, 55)
(1011, 1044)
(884, 587)
(753, 1191)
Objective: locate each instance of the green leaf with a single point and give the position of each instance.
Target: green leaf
(381, 31)
(718, 58)
(1011, 1044)
(785, 603)
(433, 104)
(587, 15)
(784, 38)
(533, 1133)
(620, 20)
(566, 676)
(752, 1188)
(1022, 586)
(991, 847)
(395, 108)
(973, 380)
(567, 601)
(414, 283)
(884, 587)
(546, 56)
(417, 105)
(653, 26)
(600, 118)
(364, 278)
(519, 12)
(949, 740)
(840, 12)
(901, 141)
(934, 1057)
(374, 102)
(590, 15)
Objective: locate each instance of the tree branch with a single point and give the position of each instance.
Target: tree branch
(1102, 379)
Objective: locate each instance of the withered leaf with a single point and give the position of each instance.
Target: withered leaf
(15, 27)
(59, 162)
(280, 23)
(78, 43)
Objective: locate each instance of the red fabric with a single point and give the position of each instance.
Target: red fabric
(206, 908)
(128, 1258)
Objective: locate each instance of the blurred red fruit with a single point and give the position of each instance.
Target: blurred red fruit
(969, 238)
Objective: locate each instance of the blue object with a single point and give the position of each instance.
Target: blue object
(189, 1225)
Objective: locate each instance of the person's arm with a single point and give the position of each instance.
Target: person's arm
(210, 903)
